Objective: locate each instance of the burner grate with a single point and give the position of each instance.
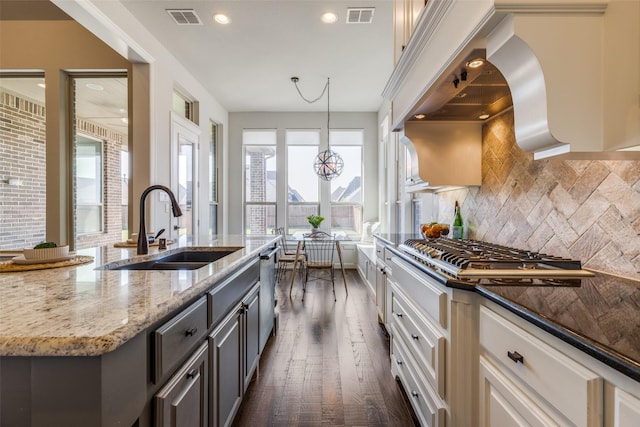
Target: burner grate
(472, 259)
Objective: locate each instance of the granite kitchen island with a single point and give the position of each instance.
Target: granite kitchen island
(84, 346)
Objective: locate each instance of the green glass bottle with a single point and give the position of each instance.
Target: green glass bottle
(458, 226)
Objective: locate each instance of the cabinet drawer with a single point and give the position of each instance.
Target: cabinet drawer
(426, 343)
(233, 288)
(178, 336)
(554, 376)
(426, 404)
(421, 289)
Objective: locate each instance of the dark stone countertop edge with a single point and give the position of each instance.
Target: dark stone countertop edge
(604, 354)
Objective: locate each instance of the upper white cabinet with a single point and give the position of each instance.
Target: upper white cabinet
(405, 14)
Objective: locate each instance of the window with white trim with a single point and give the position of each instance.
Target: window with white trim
(259, 148)
(303, 187)
(346, 189)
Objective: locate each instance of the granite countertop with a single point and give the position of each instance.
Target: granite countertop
(81, 311)
(600, 317)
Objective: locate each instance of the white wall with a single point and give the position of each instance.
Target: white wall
(283, 121)
(118, 28)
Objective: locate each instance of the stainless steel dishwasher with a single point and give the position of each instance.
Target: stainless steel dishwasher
(267, 294)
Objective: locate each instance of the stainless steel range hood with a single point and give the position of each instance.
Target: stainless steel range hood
(572, 70)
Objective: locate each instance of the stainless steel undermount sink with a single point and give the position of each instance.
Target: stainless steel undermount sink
(183, 260)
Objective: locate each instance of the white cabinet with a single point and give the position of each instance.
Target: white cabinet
(626, 409)
(366, 265)
(543, 383)
(433, 344)
(504, 404)
(405, 13)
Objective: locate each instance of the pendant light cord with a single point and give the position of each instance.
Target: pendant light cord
(328, 116)
(310, 101)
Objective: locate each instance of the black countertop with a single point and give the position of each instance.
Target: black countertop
(600, 317)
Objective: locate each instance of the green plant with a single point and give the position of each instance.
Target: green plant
(45, 245)
(315, 220)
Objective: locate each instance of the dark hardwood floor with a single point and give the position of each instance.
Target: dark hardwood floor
(328, 364)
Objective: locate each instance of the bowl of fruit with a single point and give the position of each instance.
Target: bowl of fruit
(434, 230)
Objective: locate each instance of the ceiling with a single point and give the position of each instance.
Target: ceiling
(247, 64)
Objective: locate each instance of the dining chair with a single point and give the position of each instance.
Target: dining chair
(281, 233)
(289, 261)
(319, 251)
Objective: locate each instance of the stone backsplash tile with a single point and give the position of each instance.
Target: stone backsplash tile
(583, 209)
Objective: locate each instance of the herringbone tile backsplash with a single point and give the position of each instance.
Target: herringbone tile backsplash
(587, 210)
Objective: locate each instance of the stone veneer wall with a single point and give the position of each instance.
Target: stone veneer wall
(586, 210)
(22, 157)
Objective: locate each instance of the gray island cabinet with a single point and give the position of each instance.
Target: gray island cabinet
(189, 366)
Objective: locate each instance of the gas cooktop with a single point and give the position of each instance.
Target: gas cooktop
(470, 260)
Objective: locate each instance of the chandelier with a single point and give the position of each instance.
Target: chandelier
(328, 164)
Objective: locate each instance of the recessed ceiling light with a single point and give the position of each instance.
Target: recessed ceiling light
(42, 85)
(221, 18)
(483, 116)
(419, 116)
(94, 86)
(475, 63)
(124, 120)
(329, 17)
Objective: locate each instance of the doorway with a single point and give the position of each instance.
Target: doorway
(184, 177)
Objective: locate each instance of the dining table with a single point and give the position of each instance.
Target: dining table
(300, 237)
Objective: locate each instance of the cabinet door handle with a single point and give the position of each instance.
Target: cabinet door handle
(399, 362)
(192, 373)
(190, 332)
(399, 314)
(516, 357)
(414, 336)
(414, 393)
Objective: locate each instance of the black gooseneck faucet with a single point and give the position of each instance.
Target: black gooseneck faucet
(143, 243)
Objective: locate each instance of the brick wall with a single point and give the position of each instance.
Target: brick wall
(112, 190)
(22, 157)
(257, 171)
(587, 210)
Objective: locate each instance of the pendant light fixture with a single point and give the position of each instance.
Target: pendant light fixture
(328, 164)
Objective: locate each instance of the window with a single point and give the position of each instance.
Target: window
(260, 181)
(124, 202)
(213, 181)
(98, 139)
(183, 106)
(303, 188)
(346, 189)
(88, 184)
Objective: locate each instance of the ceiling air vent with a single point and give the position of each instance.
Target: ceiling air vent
(360, 15)
(184, 16)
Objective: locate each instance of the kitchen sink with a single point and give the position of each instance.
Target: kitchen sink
(183, 260)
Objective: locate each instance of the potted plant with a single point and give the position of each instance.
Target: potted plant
(315, 221)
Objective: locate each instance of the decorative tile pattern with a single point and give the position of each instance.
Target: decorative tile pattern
(589, 210)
